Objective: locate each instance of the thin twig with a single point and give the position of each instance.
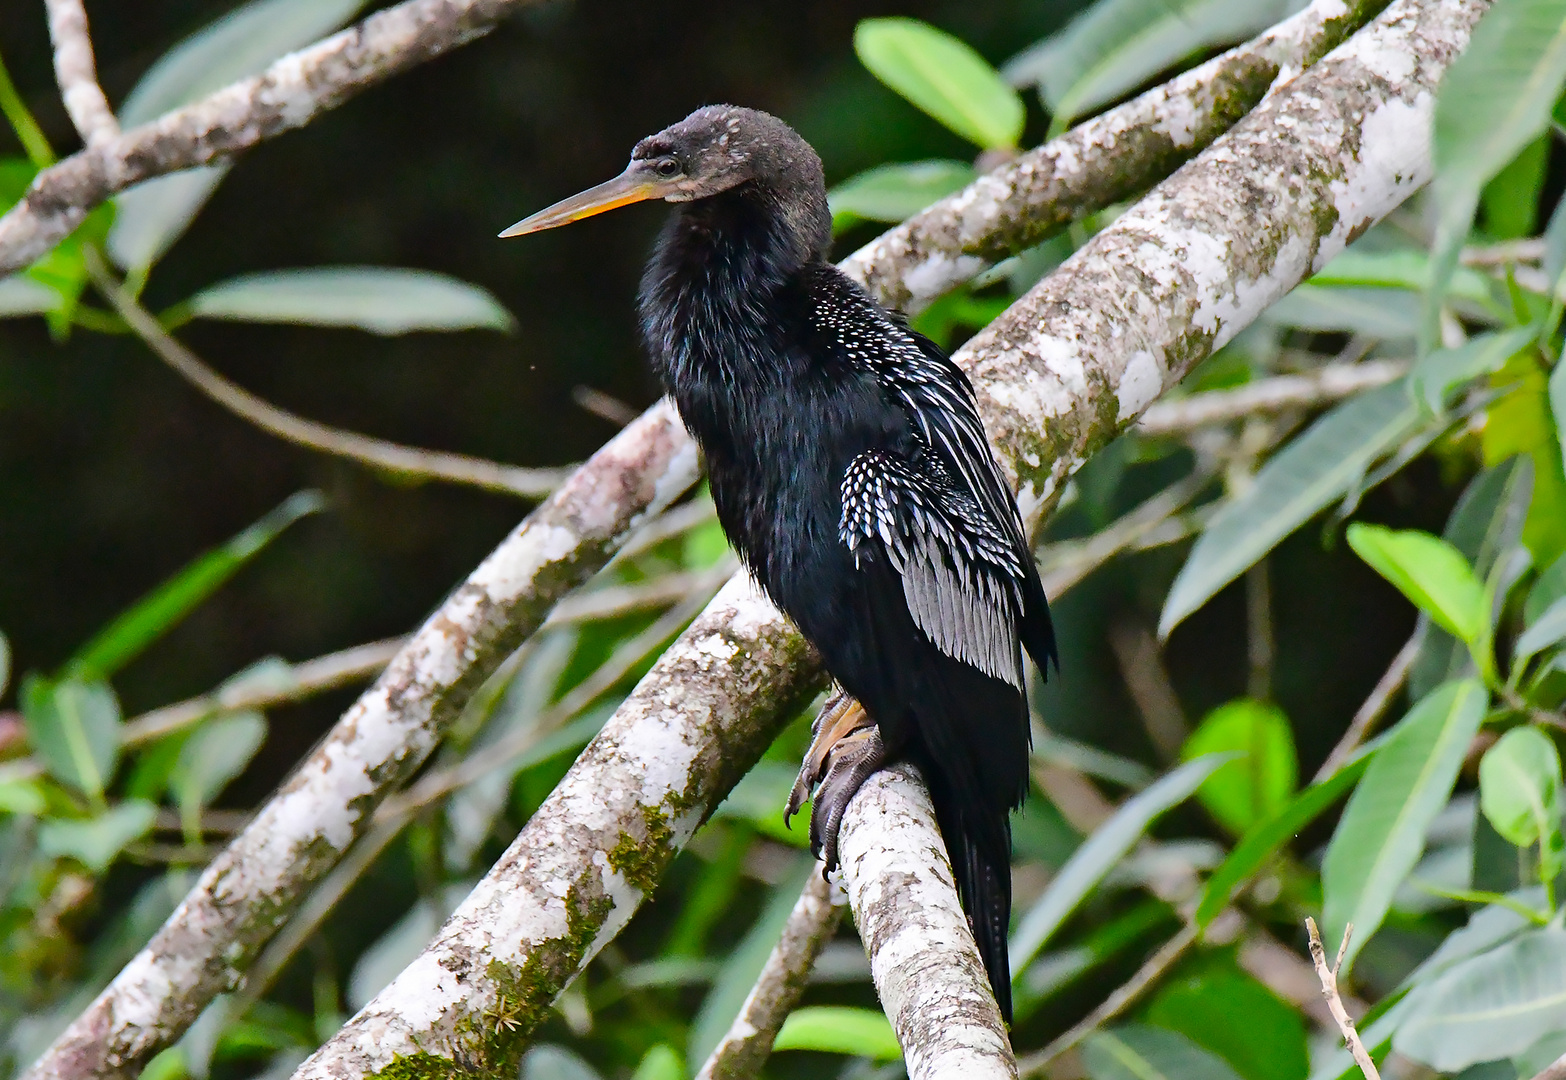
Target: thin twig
(293, 682)
(1329, 990)
(1373, 709)
(1147, 680)
(1116, 1003)
(376, 453)
(77, 75)
(739, 1056)
(1506, 252)
(1328, 383)
(1259, 643)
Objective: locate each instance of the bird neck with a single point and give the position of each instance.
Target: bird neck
(712, 292)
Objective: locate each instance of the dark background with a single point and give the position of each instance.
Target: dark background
(114, 472)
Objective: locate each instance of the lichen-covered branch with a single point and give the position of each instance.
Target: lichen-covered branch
(76, 73)
(1082, 355)
(1104, 160)
(1069, 366)
(250, 889)
(590, 855)
(922, 956)
(1078, 358)
(744, 1049)
(287, 95)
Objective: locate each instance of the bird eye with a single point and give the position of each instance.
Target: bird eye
(667, 167)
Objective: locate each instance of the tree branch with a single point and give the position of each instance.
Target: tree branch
(252, 886)
(377, 453)
(77, 75)
(926, 967)
(1331, 382)
(778, 988)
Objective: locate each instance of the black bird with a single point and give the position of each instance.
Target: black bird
(851, 473)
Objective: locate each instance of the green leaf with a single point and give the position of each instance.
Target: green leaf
(722, 1003)
(239, 44)
(98, 841)
(1429, 571)
(1135, 1052)
(1258, 783)
(1554, 262)
(1382, 832)
(1549, 587)
(1114, 46)
(213, 755)
(839, 1029)
(22, 797)
(382, 300)
(1494, 100)
(547, 1061)
(1377, 313)
(74, 728)
(1547, 630)
(1557, 392)
(942, 76)
(1402, 268)
(893, 193)
(1491, 1006)
(1511, 200)
(1310, 473)
(1442, 371)
(23, 295)
(160, 610)
(152, 215)
(662, 1062)
(1267, 1042)
(1264, 839)
(1099, 854)
(1520, 793)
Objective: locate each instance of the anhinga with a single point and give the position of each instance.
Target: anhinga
(851, 473)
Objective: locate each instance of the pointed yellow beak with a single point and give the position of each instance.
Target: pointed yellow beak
(627, 188)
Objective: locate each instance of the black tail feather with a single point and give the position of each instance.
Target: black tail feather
(984, 885)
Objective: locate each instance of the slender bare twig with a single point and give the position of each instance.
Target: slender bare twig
(1147, 680)
(289, 683)
(1331, 382)
(1123, 997)
(1373, 709)
(1259, 644)
(376, 453)
(77, 75)
(1530, 250)
(604, 406)
(778, 988)
(1329, 990)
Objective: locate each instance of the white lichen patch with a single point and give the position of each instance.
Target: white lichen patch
(1140, 384)
(1394, 162)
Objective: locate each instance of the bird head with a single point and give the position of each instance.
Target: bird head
(713, 150)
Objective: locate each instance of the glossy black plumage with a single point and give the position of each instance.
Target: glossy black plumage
(849, 470)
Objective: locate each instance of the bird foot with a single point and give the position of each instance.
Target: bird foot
(846, 750)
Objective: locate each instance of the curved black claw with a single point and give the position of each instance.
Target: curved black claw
(845, 751)
(855, 758)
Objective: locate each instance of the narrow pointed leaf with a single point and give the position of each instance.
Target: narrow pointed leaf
(1382, 832)
(1429, 571)
(1138, 1052)
(1494, 1005)
(160, 610)
(74, 728)
(382, 300)
(893, 193)
(213, 755)
(837, 1029)
(1441, 372)
(1379, 313)
(98, 841)
(1265, 839)
(1547, 630)
(1310, 473)
(149, 217)
(1099, 854)
(944, 77)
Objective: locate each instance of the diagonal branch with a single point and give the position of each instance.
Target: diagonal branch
(1078, 358)
(263, 875)
(77, 75)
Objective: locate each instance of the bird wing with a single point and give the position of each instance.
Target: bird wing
(961, 575)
